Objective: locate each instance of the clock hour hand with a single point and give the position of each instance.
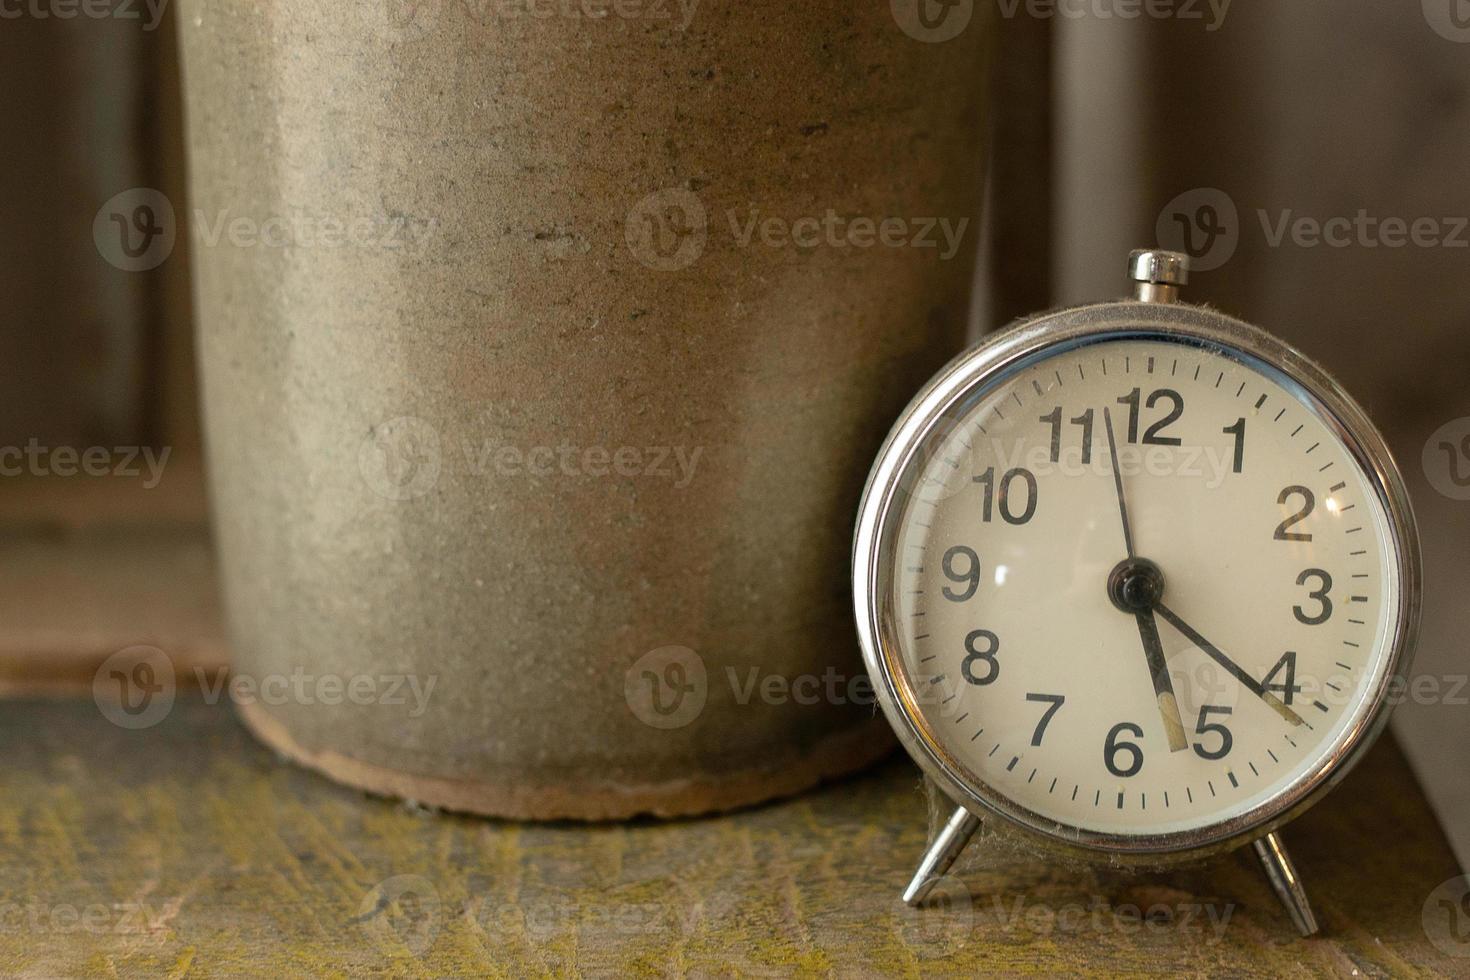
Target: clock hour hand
(1153, 650)
(1231, 667)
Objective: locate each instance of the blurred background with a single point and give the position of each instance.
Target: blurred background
(1309, 155)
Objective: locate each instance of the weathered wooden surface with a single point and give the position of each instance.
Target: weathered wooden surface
(187, 850)
(92, 564)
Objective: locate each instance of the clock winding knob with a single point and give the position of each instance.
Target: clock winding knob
(1157, 275)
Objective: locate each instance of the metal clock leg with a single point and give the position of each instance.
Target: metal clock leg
(941, 855)
(1288, 884)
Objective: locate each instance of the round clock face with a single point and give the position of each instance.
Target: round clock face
(1139, 586)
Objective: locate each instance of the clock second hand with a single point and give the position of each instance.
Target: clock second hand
(1148, 629)
(1231, 667)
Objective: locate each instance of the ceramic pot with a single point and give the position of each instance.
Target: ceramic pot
(545, 348)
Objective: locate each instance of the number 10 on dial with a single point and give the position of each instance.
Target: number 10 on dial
(1134, 580)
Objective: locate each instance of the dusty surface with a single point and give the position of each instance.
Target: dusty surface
(548, 245)
(187, 849)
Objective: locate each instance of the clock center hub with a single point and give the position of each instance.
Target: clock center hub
(1136, 585)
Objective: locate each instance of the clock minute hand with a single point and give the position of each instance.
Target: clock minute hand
(1118, 483)
(1231, 667)
(1148, 629)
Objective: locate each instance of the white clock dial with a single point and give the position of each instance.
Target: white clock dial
(1274, 555)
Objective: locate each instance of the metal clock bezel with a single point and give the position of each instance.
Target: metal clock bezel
(991, 362)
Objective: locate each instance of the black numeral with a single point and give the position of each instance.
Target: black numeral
(1153, 435)
(1007, 495)
(1309, 504)
(1054, 419)
(970, 576)
(1113, 747)
(1324, 607)
(1289, 689)
(1205, 727)
(1056, 701)
(1238, 431)
(975, 654)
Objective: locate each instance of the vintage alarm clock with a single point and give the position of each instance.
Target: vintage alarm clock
(1134, 581)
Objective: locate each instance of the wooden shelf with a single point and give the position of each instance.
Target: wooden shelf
(195, 851)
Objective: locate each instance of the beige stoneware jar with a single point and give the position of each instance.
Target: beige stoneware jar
(545, 349)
